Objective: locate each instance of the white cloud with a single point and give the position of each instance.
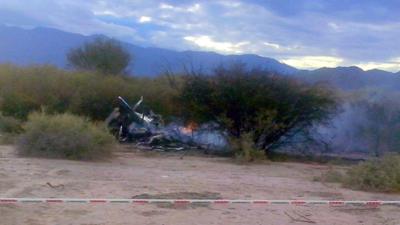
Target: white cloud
(280, 48)
(272, 45)
(333, 25)
(207, 42)
(105, 13)
(230, 3)
(166, 6)
(194, 8)
(313, 62)
(391, 65)
(145, 19)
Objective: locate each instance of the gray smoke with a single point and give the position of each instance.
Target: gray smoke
(365, 124)
(208, 135)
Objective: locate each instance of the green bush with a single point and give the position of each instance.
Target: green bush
(277, 110)
(103, 55)
(64, 136)
(376, 175)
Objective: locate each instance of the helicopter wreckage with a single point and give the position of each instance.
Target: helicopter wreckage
(148, 131)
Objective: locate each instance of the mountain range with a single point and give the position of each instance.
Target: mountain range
(50, 46)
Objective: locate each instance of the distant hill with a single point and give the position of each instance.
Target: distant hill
(49, 46)
(351, 78)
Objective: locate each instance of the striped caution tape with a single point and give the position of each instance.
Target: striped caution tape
(194, 201)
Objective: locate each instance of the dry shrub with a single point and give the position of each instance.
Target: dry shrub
(331, 176)
(9, 128)
(244, 149)
(27, 89)
(376, 175)
(64, 136)
(10, 125)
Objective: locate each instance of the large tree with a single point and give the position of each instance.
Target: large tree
(103, 55)
(274, 109)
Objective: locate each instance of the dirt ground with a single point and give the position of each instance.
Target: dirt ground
(132, 174)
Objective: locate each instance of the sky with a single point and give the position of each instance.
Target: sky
(303, 33)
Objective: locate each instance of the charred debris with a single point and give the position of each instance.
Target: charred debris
(147, 130)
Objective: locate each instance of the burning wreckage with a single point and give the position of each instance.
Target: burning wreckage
(148, 131)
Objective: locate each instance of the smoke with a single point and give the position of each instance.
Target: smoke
(343, 132)
(207, 135)
(368, 124)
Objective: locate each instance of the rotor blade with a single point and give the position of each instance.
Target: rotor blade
(125, 103)
(138, 103)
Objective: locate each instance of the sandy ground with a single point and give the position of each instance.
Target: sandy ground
(131, 174)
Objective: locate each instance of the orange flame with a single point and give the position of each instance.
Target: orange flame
(189, 128)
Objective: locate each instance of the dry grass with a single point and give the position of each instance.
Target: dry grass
(375, 175)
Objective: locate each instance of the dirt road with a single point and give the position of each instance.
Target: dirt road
(133, 174)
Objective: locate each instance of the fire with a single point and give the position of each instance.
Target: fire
(189, 128)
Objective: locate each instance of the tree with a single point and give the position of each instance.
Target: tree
(275, 110)
(103, 55)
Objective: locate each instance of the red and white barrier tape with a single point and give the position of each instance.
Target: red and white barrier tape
(194, 201)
